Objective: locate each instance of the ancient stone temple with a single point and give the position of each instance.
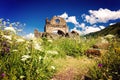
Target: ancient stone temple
(56, 25)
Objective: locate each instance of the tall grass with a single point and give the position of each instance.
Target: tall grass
(24, 62)
(108, 66)
(34, 59)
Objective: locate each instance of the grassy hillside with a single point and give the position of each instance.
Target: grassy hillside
(113, 29)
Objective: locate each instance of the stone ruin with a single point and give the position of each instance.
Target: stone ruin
(55, 27)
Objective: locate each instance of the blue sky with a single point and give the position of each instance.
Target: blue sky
(83, 15)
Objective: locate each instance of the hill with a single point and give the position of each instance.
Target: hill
(112, 29)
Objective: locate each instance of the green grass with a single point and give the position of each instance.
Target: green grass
(45, 59)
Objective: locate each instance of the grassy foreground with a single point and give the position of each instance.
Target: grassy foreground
(60, 59)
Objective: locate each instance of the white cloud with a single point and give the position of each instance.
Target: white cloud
(64, 15)
(91, 29)
(84, 28)
(29, 36)
(101, 16)
(88, 29)
(71, 19)
(82, 25)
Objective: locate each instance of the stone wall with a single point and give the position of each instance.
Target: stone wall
(55, 24)
(58, 25)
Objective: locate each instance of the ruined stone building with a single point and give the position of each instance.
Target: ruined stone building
(53, 27)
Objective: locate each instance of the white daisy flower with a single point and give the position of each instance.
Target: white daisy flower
(50, 41)
(52, 52)
(53, 67)
(8, 37)
(14, 50)
(10, 29)
(37, 46)
(20, 40)
(109, 36)
(21, 77)
(25, 57)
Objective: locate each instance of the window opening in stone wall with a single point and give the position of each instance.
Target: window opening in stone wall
(57, 21)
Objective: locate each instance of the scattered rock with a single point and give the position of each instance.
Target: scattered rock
(94, 52)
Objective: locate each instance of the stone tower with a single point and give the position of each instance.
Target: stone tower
(56, 24)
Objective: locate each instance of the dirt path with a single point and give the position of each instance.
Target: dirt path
(72, 68)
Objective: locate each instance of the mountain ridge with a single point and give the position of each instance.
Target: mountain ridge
(112, 29)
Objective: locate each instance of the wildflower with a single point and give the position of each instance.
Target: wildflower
(25, 57)
(21, 77)
(27, 49)
(8, 37)
(3, 75)
(52, 52)
(53, 67)
(37, 46)
(15, 50)
(100, 65)
(109, 36)
(10, 29)
(103, 40)
(4, 44)
(10, 42)
(20, 40)
(110, 78)
(116, 72)
(40, 58)
(7, 50)
(37, 71)
(50, 41)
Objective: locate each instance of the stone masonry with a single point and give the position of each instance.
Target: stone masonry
(55, 24)
(55, 27)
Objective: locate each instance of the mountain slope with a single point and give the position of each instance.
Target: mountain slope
(112, 29)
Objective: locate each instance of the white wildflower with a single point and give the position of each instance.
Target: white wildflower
(27, 49)
(9, 41)
(21, 77)
(10, 29)
(109, 36)
(50, 41)
(20, 40)
(8, 37)
(40, 58)
(14, 50)
(53, 67)
(52, 52)
(37, 46)
(103, 40)
(25, 57)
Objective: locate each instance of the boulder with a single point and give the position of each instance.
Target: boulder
(94, 52)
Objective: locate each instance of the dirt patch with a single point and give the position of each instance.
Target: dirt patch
(72, 68)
